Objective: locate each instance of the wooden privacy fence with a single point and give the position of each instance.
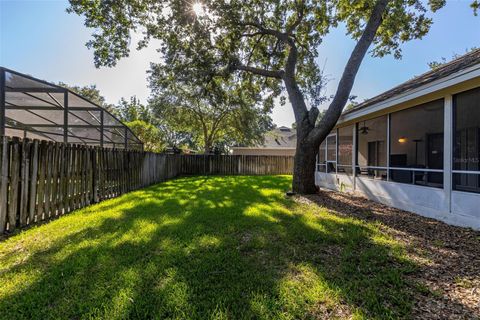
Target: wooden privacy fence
(42, 180)
(233, 165)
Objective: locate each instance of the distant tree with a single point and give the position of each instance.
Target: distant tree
(214, 112)
(438, 63)
(353, 103)
(152, 138)
(134, 114)
(156, 132)
(91, 93)
(141, 120)
(133, 109)
(271, 44)
(179, 139)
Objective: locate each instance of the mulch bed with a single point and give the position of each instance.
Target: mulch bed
(448, 257)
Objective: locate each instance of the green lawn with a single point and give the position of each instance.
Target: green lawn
(204, 248)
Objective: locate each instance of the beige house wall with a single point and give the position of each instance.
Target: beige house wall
(263, 151)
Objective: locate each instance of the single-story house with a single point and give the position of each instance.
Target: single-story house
(278, 142)
(415, 147)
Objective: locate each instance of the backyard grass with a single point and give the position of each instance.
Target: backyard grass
(205, 248)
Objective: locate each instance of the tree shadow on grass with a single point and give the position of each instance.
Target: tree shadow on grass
(210, 247)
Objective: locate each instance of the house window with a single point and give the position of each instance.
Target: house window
(372, 148)
(345, 147)
(331, 153)
(321, 164)
(416, 145)
(466, 148)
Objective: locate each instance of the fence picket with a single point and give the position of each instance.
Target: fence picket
(24, 177)
(14, 184)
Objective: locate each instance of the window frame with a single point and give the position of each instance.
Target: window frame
(454, 138)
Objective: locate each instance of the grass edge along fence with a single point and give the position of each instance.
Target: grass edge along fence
(42, 180)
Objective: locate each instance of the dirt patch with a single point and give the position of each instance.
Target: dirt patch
(447, 282)
(331, 311)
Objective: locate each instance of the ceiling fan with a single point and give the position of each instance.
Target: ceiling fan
(364, 129)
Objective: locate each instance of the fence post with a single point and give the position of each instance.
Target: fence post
(24, 170)
(65, 116)
(3, 183)
(66, 178)
(95, 175)
(101, 127)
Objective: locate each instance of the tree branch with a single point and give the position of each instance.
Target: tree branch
(295, 95)
(278, 74)
(262, 30)
(304, 47)
(348, 77)
(313, 115)
(218, 121)
(291, 59)
(251, 35)
(299, 18)
(254, 48)
(282, 36)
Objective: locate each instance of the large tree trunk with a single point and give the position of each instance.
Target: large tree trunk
(208, 148)
(304, 169)
(208, 144)
(306, 150)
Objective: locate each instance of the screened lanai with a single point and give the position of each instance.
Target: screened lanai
(415, 147)
(35, 109)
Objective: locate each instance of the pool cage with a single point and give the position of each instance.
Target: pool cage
(35, 109)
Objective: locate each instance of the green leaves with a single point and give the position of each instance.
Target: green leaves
(475, 5)
(90, 92)
(151, 136)
(214, 110)
(403, 21)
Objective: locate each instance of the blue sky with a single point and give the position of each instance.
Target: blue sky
(41, 39)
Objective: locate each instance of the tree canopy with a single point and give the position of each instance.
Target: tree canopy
(90, 92)
(151, 136)
(133, 109)
(216, 111)
(141, 120)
